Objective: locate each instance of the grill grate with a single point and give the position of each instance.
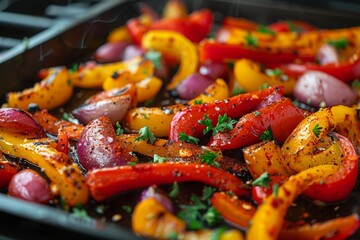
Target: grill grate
(22, 20)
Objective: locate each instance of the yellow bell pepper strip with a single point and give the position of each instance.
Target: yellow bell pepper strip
(175, 45)
(174, 9)
(269, 217)
(233, 209)
(218, 90)
(53, 91)
(206, 234)
(298, 149)
(334, 229)
(119, 34)
(65, 176)
(339, 186)
(157, 118)
(172, 151)
(92, 75)
(107, 182)
(148, 88)
(248, 74)
(187, 120)
(265, 157)
(151, 219)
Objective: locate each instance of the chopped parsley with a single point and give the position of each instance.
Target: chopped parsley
(262, 181)
(238, 90)
(200, 214)
(316, 130)
(154, 57)
(65, 116)
(198, 101)
(217, 233)
(187, 138)
(207, 193)
(251, 41)
(208, 157)
(80, 212)
(275, 189)
(119, 130)
(74, 68)
(224, 123)
(158, 159)
(293, 27)
(172, 236)
(264, 29)
(267, 135)
(338, 43)
(131, 163)
(273, 72)
(174, 190)
(146, 135)
(257, 113)
(127, 208)
(356, 83)
(264, 86)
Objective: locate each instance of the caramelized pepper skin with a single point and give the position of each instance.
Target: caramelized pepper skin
(186, 121)
(107, 182)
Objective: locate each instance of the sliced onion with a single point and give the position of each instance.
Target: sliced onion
(98, 146)
(319, 89)
(111, 51)
(327, 54)
(132, 51)
(193, 85)
(30, 186)
(113, 108)
(214, 70)
(18, 121)
(269, 100)
(154, 192)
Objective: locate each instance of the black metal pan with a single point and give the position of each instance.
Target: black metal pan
(64, 44)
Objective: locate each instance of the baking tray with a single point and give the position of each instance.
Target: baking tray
(76, 41)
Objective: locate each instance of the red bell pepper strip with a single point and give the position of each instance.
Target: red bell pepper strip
(242, 23)
(337, 187)
(233, 209)
(291, 26)
(259, 193)
(217, 52)
(62, 141)
(187, 120)
(107, 182)
(7, 171)
(282, 117)
(347, 71)
(195, 26)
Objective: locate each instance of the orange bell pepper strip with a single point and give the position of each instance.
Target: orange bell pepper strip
(53, 91)
(174, 45)
(269, 217)
(187, 120)
(218, 90)
(334, 229)
(233, 209)
(242, 23)
(250, 77)
(119, 34)
(107, 182)
(146, 220)
(64, 174)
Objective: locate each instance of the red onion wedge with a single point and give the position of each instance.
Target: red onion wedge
(111, 51)
(98, 146)
(20, 122)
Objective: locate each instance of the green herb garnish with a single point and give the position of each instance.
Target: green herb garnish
(356, 83)
(187, 138)
(251, 41)
(158, 159)
(275, 189)
(74, 68)
(131, 163)
(174, 190)
(264, 29)
(198, 101)
(238, 90)
(154, 57)
(267, 135)
(146, 135)
(316, 130)
(127, 208)
(119, 129)
(208, 157)
(65, 116)
(263, 181)
(273, 72)
(224, 123)
(338, 43)
(293, 27)
(80, 212)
